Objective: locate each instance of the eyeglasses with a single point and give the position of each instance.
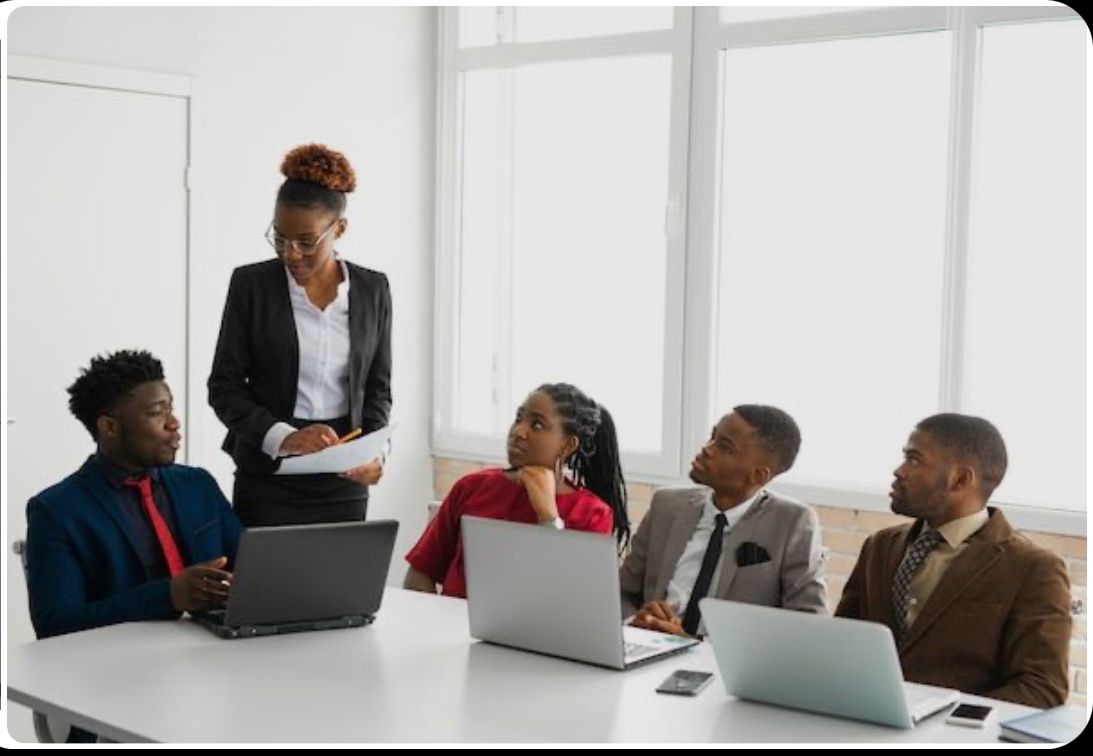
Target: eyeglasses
(281, 243)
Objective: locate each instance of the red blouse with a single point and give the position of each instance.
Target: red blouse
(490, 493)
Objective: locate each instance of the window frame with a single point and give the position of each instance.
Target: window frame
(449, 441)
(696, 43)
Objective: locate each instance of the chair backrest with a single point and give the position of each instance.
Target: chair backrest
(20, 548)
(43, 726)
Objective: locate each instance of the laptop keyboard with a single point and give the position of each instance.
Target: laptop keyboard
(214, 616)
(631, 650)
(929, 706)
(925, 700)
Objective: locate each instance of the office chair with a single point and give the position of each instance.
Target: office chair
(43, 727)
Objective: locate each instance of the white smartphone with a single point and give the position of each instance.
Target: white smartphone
(969, 715)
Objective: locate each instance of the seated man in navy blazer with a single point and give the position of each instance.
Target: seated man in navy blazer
(730, 538)
(130, 535)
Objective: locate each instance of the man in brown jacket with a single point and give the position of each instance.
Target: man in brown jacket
(973, 604)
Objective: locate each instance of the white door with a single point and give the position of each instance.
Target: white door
(97, 260)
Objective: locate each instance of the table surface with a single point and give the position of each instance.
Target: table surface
(415, 675)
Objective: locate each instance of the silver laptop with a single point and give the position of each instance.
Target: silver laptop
(306, 577)
(829, 665)
(553, 592)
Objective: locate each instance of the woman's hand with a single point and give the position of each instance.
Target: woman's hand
(366, 475)
(313, 438)
(541, 484)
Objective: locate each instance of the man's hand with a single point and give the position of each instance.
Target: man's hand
(201, 586)
(313, 438)
(658, 615)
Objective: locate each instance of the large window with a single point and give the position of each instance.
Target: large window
(1025, 359)
(832, 235)
(862, 215)
(555, 207)
(560, 239)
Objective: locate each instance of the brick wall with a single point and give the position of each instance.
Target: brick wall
(844, 531)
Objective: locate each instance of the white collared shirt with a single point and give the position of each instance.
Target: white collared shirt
(322, 388)
(690, 563)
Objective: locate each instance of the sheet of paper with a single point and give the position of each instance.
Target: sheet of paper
(338, 459)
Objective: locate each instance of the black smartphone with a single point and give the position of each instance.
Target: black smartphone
(684, 682)
(969, 715)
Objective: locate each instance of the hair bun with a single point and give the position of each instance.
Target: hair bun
(320, 165)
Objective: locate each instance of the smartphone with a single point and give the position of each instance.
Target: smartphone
(969, 715)
(684, 682)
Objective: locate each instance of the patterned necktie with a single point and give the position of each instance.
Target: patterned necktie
(143, 483)
(693, 615)
(901, 585)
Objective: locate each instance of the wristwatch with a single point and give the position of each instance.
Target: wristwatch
(557, 523)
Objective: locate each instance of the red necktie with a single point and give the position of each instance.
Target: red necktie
(163, 533)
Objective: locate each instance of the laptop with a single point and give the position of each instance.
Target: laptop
(305, 577)
(553, 592)
(830, 665)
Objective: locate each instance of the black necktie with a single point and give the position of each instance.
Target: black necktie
(692, 616)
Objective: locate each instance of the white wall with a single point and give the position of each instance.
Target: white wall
(361, 80)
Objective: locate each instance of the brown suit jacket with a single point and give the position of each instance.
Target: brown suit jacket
(997, 625)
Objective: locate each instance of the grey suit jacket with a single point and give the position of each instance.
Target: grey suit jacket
(788, 530)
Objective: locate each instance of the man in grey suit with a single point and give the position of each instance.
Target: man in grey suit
(771, 544)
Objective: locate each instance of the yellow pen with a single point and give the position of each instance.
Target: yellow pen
(350, 436)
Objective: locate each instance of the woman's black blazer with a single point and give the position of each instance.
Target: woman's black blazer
(256, 366)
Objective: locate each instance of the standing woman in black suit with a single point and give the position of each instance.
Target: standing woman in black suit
(304, 354)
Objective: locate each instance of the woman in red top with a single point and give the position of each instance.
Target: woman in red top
(557, 427)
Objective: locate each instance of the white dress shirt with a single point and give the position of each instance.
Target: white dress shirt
(322, 388)
(690, 563)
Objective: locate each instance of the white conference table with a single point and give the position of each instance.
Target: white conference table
(415, 676)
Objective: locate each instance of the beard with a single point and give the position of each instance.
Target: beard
(924, 505)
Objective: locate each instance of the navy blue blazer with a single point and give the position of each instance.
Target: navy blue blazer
(83, 570)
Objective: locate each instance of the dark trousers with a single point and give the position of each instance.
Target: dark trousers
(264, 500)
(267, 500)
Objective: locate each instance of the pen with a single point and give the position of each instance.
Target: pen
(349, 436)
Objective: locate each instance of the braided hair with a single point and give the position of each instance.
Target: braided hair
(316, 176)
(595, 463)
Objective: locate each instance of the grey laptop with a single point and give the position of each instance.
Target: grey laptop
(554, 592)
(306, 577)
(829, 665)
